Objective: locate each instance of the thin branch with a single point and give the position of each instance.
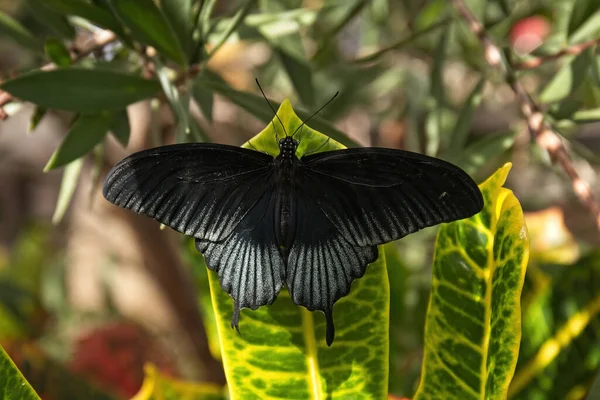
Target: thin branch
(100, 39)
(568, 51)
(540, 131)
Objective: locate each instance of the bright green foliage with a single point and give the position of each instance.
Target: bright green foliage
(560, 351)
(159, 387)
(280, 351)
(13, 385)
(473, 326)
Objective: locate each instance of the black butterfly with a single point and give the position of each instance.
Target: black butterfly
(312, 223)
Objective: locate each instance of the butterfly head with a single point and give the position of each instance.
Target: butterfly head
(287, 147)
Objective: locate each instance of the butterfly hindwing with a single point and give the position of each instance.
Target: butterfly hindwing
(250, 267)
(322, 263)
(375, 195)
(201, 190)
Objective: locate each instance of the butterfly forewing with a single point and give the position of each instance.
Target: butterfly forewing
(375, 195)
(222, 196)
(201, 190)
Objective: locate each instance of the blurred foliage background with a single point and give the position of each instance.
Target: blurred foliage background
(89, 294)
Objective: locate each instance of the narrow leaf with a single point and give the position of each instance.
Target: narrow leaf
(150, 26)
(179, 102)
(235, 21)
(204, 20)
(83, 9)
(120, 126)
(67, 189)
(81, 90)
(179, 13)
(582, 10)
(36, 118)
(437, 90)
(460, 132)
(57, 23)
(85, 133)
(473, 330)
(205, 99)
(57, 52)
(567, 79)
(586, 116)
(13, 28)
(12, 383)
(481, 152)
(298, 70)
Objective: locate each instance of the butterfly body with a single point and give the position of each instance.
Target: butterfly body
(284, 168)
(312, 223)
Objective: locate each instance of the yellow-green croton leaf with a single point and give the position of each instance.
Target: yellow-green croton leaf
(473, 326)
(12, 383)
(280, 351)
(159, 387)
(560, 351)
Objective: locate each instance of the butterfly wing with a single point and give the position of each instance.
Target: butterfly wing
(352, 200)
(248, 262)
(377, 195)
(201, 190)
(221, 196)
(322, 263)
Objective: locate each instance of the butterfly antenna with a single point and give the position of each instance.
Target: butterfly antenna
(316, 112)
(272, 109)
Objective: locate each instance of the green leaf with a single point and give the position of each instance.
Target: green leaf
(36, 118)
(472, 332)
(588, 31)
(297, 69)
(179, 13)
(581, 12)
(13, 28)
(281, 350)
(460, 132)
(179, 102)
(12, 383)
(57, 52)
(334, 19)
(206, 9)
(567, 79)
(120, 126)
(438, 90)
(67, 189)
(205, 99)
(560, 351)
(236, 20)
(160, 387)
(150, 26)
(81, 90)
(56, 22)
(481, 152)
(586, 116)
(256, 106)
(85, 133)
(94, 14)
